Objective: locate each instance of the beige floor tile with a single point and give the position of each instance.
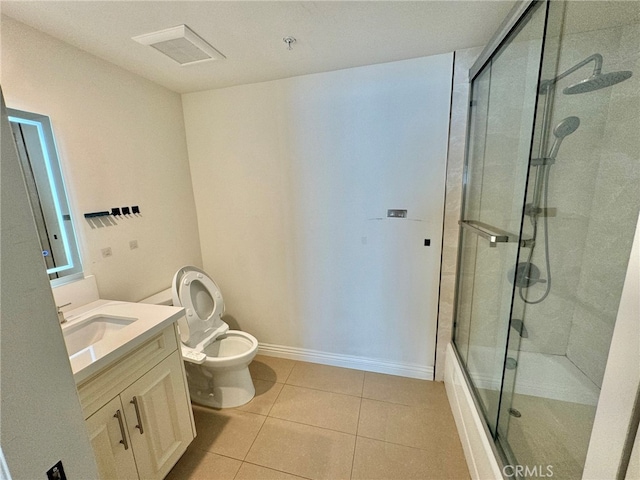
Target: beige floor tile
(303, 450)
(318, 408)
(266, 394)
(248, 471)
(271, 369)
(430, 428)
(376, 460)
(228, 432)
(324, 377)
(406, 391)
(197, 464)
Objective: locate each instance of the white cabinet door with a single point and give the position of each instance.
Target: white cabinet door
(111, 444)
(157, 411)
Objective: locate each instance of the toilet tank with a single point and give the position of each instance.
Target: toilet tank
(164, 297)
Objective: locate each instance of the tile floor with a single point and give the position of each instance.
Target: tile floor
(319, 422)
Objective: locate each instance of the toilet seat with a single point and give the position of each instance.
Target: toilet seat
(204, 306)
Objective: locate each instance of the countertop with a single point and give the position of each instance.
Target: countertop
(150, 319)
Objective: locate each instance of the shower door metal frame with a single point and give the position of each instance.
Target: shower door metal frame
(508, 25)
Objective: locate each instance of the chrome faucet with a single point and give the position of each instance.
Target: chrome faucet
(61, 318)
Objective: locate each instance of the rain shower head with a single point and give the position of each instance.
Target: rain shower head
(564, 128)
(597, 81)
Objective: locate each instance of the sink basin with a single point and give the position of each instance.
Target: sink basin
(83, 333)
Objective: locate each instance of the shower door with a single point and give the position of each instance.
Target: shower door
(550, 209)
(503, 101)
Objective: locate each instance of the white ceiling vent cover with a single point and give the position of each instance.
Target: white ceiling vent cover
(180, 44)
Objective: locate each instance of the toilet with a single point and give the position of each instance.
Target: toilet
(216, 358)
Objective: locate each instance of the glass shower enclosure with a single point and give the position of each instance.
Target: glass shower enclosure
(551, 202)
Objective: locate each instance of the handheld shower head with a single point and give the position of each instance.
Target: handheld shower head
(564, 128)
(597, 81)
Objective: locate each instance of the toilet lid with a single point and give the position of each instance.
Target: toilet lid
(203, 304)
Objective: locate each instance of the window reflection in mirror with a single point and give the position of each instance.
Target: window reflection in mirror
(39, 160)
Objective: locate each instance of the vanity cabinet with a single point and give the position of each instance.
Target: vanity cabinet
(146, 423)
(111, 443)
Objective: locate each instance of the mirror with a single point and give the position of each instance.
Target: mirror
(41, 167)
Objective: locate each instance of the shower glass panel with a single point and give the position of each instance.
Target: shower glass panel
(550, 209)
(503, 99)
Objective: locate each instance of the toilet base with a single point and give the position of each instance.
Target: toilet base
(227, 388)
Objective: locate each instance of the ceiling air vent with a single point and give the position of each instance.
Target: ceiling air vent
(180, 44)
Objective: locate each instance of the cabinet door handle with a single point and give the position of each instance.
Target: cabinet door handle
(135, 404)
(118, 415)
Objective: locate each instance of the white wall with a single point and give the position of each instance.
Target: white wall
(293, 179)
(121, 141)
(41, 418)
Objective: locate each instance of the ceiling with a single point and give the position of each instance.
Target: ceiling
(330, 35)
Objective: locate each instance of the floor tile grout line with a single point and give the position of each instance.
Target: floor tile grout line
(355, 443)
(256, 437)
(242, 412)
(313, 426)
(321, 390)
(295, 362)
(276, 470)
(219, 454)
(238, 471)
(261, 426)
(393, 443)
(423, 405)
(274, 402)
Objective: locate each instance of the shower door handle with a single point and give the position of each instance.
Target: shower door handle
(494, 235)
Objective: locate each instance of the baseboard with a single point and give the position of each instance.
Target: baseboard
(347, 361)
(477, 446)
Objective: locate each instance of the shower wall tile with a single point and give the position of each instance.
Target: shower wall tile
(614, 202)
(589, 343)
(449, 253)
(567, 242)
(455, 160)
(550, 328)
(593, 186)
